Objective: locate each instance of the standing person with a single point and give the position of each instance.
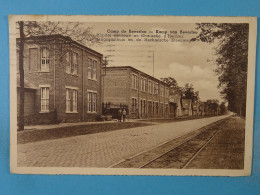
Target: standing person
(124, 115)
(119, 115)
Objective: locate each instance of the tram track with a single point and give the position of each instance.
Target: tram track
(177, 153)
(166, 157)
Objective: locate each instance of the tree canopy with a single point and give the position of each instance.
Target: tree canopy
(187, 91)
(174, 88)
(75, 30)
(231, 61)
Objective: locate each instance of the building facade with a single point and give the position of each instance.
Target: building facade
(143, 95)
(62, 80)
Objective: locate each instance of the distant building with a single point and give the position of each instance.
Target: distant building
(144, 95)
(187, 107)
(195, 108)
(175, 106)
(62, 80)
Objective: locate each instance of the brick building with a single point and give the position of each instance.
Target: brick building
(62, 80)
(144, 95)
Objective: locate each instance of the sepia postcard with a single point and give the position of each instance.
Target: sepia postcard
(132, 95)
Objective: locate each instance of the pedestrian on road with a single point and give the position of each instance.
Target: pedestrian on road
(124, 115)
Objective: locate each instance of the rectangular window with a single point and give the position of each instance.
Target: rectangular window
(45, 60)
(67, 61)
(90, 61)
(134, 104)
(75, 100)
(71, 60)
(74, 68)
(144, 84)
(156, 90)
(141, 84)
(92, 101)
(94, 69)
(136, 84)
(134, 81)
(68, 100)
(156, 107)
(149, 86)
(45, 98)
(144, 104)
(71, 100)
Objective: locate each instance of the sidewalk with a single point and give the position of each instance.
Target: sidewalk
(60, 125)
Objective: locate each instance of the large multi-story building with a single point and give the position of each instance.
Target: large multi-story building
(62, 80)
(143, 95)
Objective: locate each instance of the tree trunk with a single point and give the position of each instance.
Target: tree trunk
(21, 70)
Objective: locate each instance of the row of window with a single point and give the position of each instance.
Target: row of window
(71, 61)
(71, 100)
(153, 107)
(153, 87)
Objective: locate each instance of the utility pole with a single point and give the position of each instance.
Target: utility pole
(103, 74)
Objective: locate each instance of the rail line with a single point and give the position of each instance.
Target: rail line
(200, 150)
(181, 144)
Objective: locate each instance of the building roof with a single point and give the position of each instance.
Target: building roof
(64, 38)
(186, 103)
(134, 69)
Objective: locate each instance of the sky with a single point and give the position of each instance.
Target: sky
(187, 62)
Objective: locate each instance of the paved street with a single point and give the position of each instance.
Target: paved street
(106, 148)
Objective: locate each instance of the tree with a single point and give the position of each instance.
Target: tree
(189, 93)
(174, 88)
(75, 30)
(213, 106)
(21, 70)
(231, 61)
(223, 108)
